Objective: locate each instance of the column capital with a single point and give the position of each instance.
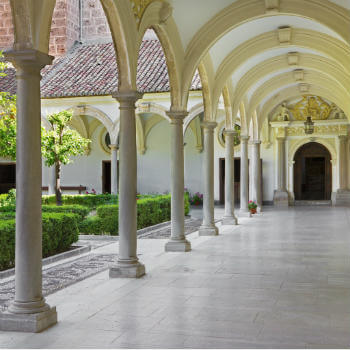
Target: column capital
(229, 132)
(343, 137)
(255, 142)
(280, 139)
(244, 138)
(29, 60)
(209, 125)
(127, 99)
(176, 117)
(113, 146)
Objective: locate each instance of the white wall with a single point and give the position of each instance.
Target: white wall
(153, 167)
(193, 164)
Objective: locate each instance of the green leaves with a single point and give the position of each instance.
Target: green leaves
(7, 125)
(60, 143)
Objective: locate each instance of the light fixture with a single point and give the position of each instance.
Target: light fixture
(309, 126)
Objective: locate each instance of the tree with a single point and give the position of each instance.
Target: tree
(7, 119)
(8, 125)
(59, 144)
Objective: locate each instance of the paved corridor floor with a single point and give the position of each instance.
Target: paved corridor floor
(278, 280)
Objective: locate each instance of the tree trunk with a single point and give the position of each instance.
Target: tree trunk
(58, 184)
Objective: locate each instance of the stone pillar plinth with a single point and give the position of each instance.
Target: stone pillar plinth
(178, 241)
(280, 198)
(28, 312)
(114, 168)
(229, 216)
(256, 174)
(128, 264)
(244, 176)
(208, 227)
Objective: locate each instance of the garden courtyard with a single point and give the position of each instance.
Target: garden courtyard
(277, 280)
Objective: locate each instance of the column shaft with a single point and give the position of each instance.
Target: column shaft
(177, 240)
(128, 264)
(114, 169)
(208, 226)
(256, 169)
(244, 174)
(29, 301)
(281, 155)
(229, 216)
(343, 180)
(280, 198)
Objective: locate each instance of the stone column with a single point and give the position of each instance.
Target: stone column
(208, 227)
(28, 312)
(256, 174)
(128, 264)
(244, 175)
(343, 163)
(281, 195)
(52, 180)
(229, 216)
(177, 242)
(114, 168)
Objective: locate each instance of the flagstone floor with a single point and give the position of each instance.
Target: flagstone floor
(278, 280)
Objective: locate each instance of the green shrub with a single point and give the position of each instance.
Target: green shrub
(88, 200)
(3, 198)
(7, 244)
(109, 214)
(7, 215)
(60, 230)
(79, 210)
(91, 225)
(8, 209)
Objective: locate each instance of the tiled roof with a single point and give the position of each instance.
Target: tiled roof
(91, 70)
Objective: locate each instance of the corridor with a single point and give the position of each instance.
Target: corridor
(280, 279)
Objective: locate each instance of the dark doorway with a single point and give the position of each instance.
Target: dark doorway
(312, 173)
(7, 177)
(106, 176)
(237, 180)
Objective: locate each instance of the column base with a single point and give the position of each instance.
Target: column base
(245, 213)
(127, 270)
(229, 220)
(342, 198)
(174, 245)
(208, 231)
(32, 323)
(280, 199)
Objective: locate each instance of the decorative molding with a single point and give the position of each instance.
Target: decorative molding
(139, 7)
(272, 6)
(284, 35)
(304, 87)
(298, 74)
(293, 58)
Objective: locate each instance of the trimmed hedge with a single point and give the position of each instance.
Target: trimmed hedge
(88, 200)
(151, 210)
(79, 210)
(60, 230)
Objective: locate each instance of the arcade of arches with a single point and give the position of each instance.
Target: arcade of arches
(258, 66)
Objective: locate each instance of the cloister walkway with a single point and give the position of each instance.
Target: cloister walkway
(277, 280)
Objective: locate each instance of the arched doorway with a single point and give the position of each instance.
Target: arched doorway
(312, 172)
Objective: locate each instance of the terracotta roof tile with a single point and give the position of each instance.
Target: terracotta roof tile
(91, 70)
